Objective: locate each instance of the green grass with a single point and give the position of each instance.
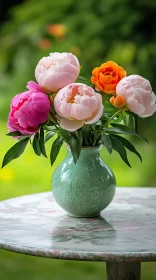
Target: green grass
(21, 267)
(30, 174)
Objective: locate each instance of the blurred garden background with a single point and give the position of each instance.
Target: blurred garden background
(95, 31)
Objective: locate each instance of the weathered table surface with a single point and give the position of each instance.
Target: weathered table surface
(123, 236)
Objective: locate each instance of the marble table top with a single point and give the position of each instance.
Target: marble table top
(125, 231)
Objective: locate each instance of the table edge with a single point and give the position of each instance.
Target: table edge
(81, 255)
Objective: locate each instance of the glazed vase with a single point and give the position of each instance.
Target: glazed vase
(86, 188)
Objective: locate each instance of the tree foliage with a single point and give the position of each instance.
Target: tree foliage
(117, 30)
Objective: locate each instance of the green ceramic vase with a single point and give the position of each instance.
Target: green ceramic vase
(86, 188)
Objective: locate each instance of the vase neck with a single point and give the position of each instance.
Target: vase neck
(87, 153)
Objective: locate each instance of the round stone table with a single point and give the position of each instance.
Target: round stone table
(123, 236)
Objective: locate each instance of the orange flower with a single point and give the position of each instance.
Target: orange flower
(44, 44)
(118, 101)
(106, 77)
(57, 30)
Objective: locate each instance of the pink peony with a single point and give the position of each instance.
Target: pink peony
(57, 70)
(77, 104)
(28, 110)
(138, 95)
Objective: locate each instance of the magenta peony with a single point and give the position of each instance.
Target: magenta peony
(57, 70)
(137, 93)
(77, 104)
(28, 110)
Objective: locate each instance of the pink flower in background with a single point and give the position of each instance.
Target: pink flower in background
(57, 70)
(76, 105)
(28, 110)
(138, 95)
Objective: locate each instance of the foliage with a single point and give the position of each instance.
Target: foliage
(95, 36)
(88, 135)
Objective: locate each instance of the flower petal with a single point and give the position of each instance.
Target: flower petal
(134, 106)
(32, 86)
(149, 111)
(71, 125)
(97, 115)
(80, 112)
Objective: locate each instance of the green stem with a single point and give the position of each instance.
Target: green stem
(112, 117)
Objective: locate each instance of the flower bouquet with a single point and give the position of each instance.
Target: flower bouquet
(85, 114)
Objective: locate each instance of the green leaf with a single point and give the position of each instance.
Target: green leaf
(76, 133)
(109, 108)
(14, 133)
(95, 136)
(52, 118)
(86, 135)
(107, 142)
(41, 141)
(23, 137)
(36, 144)
(136, 120)
(119, 148)
(122, 129)
(55, 149)
(64, 134)
(107, 115)
(50, 128)
(15, 151)
(79, 134)
(128, 145)
(129, 121)
(76, 145)
(48, 136)
(82, 78)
